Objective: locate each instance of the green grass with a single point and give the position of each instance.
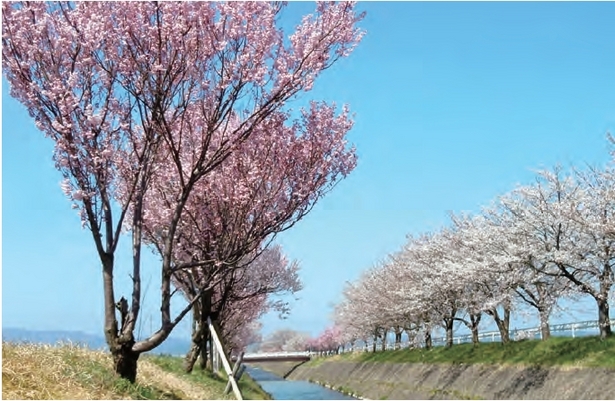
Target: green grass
(250, 390)
(563, 351)
(93, 374)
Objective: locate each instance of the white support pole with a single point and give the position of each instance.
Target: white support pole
(214, 359)
(222, 358)
(216, 366)
(235, 370)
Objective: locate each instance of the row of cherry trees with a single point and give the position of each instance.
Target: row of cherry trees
(530, 248)
(286, 340)
(174, 127)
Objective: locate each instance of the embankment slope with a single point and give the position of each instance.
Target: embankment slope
(67, 371)
(386, 380)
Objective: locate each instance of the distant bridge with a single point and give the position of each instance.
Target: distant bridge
(276, 356)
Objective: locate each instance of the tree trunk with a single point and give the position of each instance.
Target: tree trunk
(428, 340)
(502, 323)
(191, 357)
(193, 352)
(204, 341)
(198, 351)
(374, 343)
(504, 332)
(545, 331)
(475, 339)
(449, 332)
(125, 361)
(603, 318)
(120, 345)
(200, 311)
(475, 320)
(506, 322)
(384, 341)
(398, 334)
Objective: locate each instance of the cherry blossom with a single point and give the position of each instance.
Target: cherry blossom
(168, 84)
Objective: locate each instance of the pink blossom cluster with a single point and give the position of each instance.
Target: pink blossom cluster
(329, 341)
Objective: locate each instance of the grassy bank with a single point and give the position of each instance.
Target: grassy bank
(71, 372)
(557, 351)
(249, 389)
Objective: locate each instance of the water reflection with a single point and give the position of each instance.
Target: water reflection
(281, 389)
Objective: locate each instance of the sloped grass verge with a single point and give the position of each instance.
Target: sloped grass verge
(557, 351)
(249, 388)
(67, 371)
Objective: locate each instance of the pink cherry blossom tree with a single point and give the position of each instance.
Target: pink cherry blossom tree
(262, 189)
(182, 81)
(328, 342)
(247, 334)
(239, 298)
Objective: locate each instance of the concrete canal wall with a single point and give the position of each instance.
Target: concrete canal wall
(374, 380)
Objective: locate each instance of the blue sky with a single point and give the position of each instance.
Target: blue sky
(455, 104)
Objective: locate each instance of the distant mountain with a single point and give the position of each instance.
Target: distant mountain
(172, 346)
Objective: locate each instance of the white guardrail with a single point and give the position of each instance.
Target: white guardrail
(274, 355)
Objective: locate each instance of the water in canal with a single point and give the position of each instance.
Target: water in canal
(281, 389)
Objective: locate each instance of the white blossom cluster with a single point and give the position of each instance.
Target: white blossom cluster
(530, 248)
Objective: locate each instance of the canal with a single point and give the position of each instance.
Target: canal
(281, 389)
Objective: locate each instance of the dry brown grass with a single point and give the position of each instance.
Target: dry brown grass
(67, 371)
(43, 372)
